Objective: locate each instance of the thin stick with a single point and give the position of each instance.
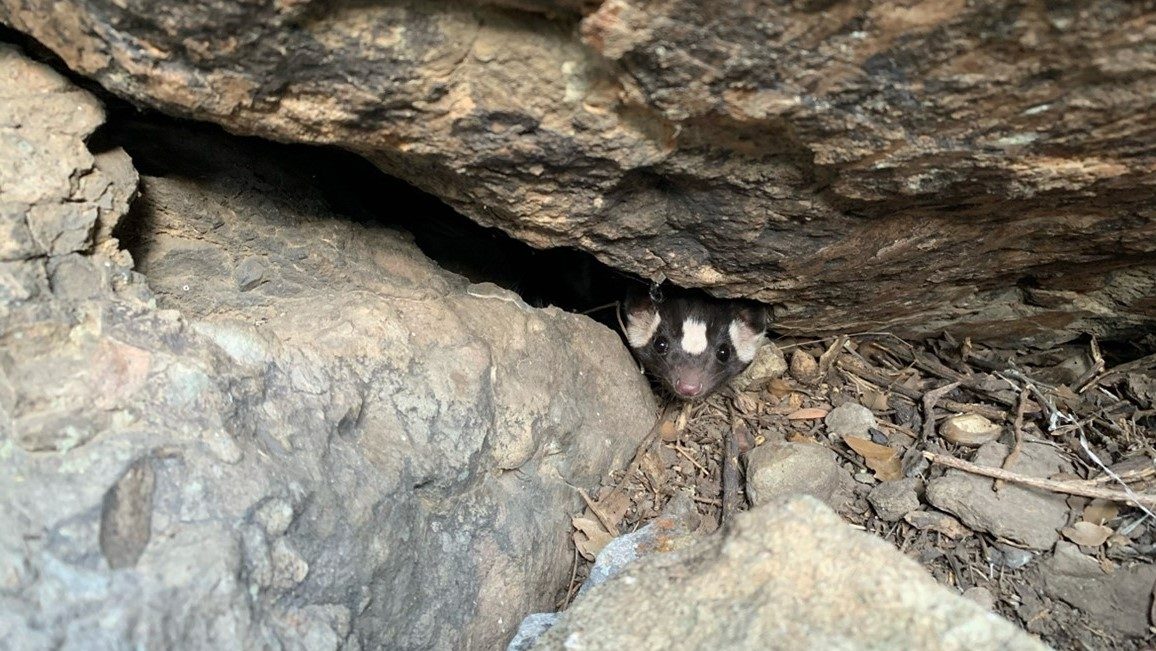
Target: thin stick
(573, 577)
(1110, 473)
(644, 446)
(929, 400)
(681, 450)
(1065, 487)
(1018, 430)
(881, 382)
(611, 527)
(730, 472)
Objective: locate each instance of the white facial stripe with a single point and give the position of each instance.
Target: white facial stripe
(693, 336)
(745, 340)
(640, 327)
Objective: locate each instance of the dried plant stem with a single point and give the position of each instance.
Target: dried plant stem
(1065, 487)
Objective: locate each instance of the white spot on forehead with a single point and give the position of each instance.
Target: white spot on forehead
(640, 327)
(693, 336)
(745, 340)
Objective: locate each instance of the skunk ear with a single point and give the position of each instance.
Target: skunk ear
(747, 331)
(642, 319)
(755, 316)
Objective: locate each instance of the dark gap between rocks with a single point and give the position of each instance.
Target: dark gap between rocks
(355, 189)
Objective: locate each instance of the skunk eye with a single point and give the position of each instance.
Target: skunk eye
(661, 345)
(723, 353)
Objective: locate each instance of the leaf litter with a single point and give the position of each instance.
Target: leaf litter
(936, 404)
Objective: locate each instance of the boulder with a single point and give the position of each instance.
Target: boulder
(293, 431)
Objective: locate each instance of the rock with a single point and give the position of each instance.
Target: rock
(769, 363)
(335, 457)
(672, 530)
(971, 430)
(1118, 601)
(894, 499)
(804, 368)
(850, 419)
(1006, 556)
(1025, 515)
(690, 140)
(981, 596)
(787, 575)
(936, 521)
(780, 468)
(531, 628)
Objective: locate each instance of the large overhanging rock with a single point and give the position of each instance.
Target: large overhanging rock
(912, 166)
(328, 443)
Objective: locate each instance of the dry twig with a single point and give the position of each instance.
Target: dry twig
(1065, 487)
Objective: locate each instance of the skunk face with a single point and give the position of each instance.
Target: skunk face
(691, 342)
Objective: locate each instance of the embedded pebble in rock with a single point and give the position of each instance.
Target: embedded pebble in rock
(1025, 515)
(1118, 600)
(850, 419)
(971, 430)
(804, 368)
(779, 468)
(894, 499)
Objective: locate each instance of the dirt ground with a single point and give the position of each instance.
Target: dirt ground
(1059, 541)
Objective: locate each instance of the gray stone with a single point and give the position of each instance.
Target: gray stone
(1006, 556)
(1119, 601)
(787, 575)
(354, 453)
(850, 419)
(894, 499)
(1026, 515)
(250, 272)
(779, 468)
(531, 628)
(981, 596)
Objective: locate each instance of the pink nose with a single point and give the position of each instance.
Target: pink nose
(687, 388)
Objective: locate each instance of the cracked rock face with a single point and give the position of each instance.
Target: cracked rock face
(978, 167)
(300, 433)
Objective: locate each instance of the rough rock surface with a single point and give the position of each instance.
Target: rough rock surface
(317, 440)
(1026, 515)
(1119, 601)
(849, 419)
(987, 167)
(788, 575)
(780, 468)
(894, 499)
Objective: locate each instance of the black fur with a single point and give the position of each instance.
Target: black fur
(662, 354)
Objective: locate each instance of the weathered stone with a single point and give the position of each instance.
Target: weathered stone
(849, 419)
(984, 166)
(356, 452)
(894, 499)
(779, 468)
(788, 575)
(1119, 601)
(1026, 515)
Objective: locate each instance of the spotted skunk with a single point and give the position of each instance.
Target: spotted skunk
(689, 341)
